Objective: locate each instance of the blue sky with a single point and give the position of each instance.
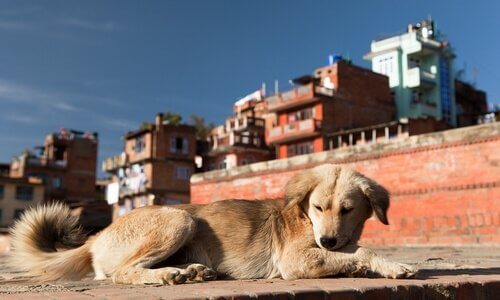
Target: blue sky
(107, 66)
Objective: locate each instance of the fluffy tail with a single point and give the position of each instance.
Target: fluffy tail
(36, 237)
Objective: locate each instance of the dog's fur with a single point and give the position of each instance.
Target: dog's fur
(311, 233)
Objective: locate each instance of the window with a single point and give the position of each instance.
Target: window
(172, 201)
(291, 150)
(57, 182)
(179, 145)
(248, 160)
(305, 148)
(24, 193)
(304, 114)
(1, 191)
(223, 164)
(18, 213)
(139, 144)
(182, 173)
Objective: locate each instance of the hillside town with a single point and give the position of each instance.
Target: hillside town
(411, 89)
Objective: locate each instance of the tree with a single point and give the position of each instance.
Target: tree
(172, 118)
(202, 130)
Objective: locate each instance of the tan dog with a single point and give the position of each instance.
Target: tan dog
(311, 233)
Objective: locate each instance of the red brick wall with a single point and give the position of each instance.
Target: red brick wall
(444, 193)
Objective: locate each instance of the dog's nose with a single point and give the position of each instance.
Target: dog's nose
(328, 242)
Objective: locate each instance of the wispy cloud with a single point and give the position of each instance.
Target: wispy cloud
(91, 25)
(13, 92)
(14, 25)
(17, 118)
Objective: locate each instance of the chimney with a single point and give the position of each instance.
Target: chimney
(159, 120)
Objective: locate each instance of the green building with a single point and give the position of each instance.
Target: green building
(420, 70)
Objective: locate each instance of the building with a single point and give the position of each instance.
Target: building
(66, 164)
(241, 140)
(154, 168)
(419, 65)
(471, 103)
(4, 170)
(338, 96)
(16, 195)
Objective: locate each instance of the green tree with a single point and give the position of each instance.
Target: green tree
(172, 118)
(202, 129)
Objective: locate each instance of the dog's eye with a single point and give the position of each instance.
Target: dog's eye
(318, 207)
(345, 210)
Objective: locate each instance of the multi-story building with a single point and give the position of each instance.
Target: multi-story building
(471, 103)
(154, 168)
(66, 165)
(338, 96)
(17, 194)
(419, 65)
(241, 140)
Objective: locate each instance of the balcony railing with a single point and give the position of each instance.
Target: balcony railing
(291, 97)
(416, 77)
(243, 123)
(115, 162)
(40, 161)
(294, 130)
(235, 138)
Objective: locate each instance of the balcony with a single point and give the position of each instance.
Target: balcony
(44, 162)
(298, 96)
(243, 123)
(416, 77)
(293, 131)
(237, 139)
(115, 162)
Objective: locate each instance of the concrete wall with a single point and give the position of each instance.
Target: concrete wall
(445, 186)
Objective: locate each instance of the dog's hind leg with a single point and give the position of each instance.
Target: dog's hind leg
(128, 249)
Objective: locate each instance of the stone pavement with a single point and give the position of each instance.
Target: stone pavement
(456, 273)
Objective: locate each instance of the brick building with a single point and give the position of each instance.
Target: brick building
(17, 194)
(471, 103)
(241, 140)
(66, 164)
(154, 167)
(335, 97)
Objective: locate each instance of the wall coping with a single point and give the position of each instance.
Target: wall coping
(423, 142)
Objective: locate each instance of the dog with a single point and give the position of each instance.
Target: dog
(311, 233)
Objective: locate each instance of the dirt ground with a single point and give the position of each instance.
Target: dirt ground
(446, 261)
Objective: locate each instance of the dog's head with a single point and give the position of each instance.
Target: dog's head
(338, 201)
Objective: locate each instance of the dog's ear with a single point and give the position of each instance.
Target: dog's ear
(299, 187)
(378, 197)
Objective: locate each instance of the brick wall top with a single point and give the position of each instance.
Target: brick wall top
(443, 139)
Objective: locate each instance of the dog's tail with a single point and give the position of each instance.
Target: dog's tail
(38, 234)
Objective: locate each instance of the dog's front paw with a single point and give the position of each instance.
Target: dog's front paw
(397, 270)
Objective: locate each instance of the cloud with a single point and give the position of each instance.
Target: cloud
(91, 25)
(23, 119)
(13, 25)
(13, 92)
